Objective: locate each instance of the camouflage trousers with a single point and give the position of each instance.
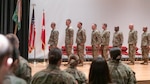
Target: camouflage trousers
(145, 53)
(68, 50)
(104, 51)
(80, 52)
(132, 51)
(95, 51)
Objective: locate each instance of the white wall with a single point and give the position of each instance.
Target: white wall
(112, 12)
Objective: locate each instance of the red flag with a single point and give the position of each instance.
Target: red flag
(43, 32)
(32, 34)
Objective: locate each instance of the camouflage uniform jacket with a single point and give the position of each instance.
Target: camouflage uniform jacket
(24, 70)
(81, 36)
(96, 38)
(145, 41)
(12, 79)
(53, 40)
(69, 36)
(78, 75)
(105, 37)
(132, 39)
(52, 75)
(121, 73)
(117, 38)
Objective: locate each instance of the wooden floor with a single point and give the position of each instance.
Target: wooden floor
(142, 71)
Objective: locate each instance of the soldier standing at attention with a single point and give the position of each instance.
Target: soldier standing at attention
(80, 40)
(145, 42)
(117, 38)
(105, 41)
(95, 41)
(69, 37)
(132, 41)
(53, 40)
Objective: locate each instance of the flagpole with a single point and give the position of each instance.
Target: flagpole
(44, 58)
(44, 46)
(34, 56)
(34, 46)
(15, 29)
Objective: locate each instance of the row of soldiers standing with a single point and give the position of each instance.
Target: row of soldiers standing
(100, 41)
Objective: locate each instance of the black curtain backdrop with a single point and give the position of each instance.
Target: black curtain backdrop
(7, 8)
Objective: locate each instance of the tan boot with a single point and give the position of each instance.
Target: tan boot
(130, 63)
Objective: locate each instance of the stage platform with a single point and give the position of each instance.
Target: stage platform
(142, 71)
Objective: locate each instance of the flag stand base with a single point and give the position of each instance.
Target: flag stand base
(44, 63)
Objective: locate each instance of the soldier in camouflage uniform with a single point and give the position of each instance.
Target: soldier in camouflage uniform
(80, 40)
(145, 43)
(10, 78)
(72, 69)
(53, 39)
(105, 41)
(52, 74)
(5, 53)
(69, 38)
(132, 41)
(23, 70)
(120, 72)
(95, 41)
(117, 38)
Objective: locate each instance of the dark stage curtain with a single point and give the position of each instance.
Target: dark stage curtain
(7, 8)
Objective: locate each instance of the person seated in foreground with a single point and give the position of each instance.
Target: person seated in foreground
(120, 72)
(24, 70)
(5, 56)
(72, 69)
(52, 74)
(99, 72)
(10, 78)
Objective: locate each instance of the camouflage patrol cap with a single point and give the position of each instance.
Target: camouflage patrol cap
(115, 53)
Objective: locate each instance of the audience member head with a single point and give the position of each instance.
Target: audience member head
(53, 24)
(104, 26)
(131, 26)
(145, 29)
(68, 22)
(115, 53)
(73, 61)
(94, 26)
(116, 28)
(79, 25)
(99, 72)
(5, 54)
(13, 39)
(55, 56)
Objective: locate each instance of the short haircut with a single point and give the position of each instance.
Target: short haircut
(54, 56)
(13, 39)
(80, 23)
(95, 25)
(145, 27)
(53, 23)
(105, 24)
(117, 27)
(69, 20)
